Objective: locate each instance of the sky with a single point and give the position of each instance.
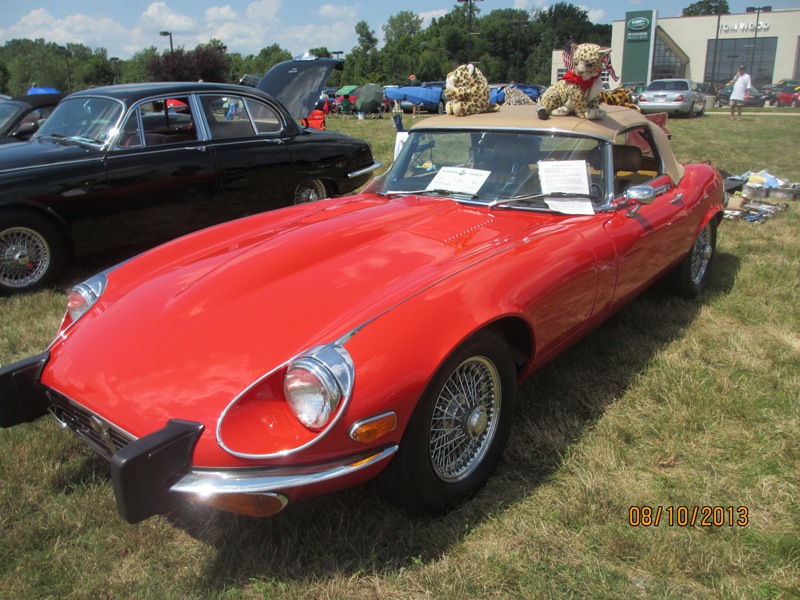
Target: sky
(246, 26)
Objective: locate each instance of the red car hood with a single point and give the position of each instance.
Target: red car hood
(183, 329)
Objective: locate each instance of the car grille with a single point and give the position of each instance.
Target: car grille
(103, 437)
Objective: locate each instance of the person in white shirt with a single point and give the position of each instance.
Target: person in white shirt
(740, 93)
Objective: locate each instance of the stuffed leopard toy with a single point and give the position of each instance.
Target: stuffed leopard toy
(619, 97)
(579, 90)
(467, 92)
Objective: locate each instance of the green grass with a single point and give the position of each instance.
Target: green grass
(670, 403)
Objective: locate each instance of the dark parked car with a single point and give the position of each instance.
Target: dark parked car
(673, 96)
(138, 163)
(21, 117)
(757, 98)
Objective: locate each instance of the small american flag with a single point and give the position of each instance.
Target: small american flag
(569, 48)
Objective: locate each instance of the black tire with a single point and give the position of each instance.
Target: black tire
(32, 251)
(456, 436)
(309, 191)
(691, 276)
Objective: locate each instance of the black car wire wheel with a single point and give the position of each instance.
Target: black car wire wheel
(24, 257)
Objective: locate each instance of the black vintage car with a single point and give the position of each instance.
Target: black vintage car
(20, 117)
(135, 163)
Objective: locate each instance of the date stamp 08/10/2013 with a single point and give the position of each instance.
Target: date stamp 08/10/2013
(688, 516)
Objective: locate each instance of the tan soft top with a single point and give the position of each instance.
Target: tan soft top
(617, 120)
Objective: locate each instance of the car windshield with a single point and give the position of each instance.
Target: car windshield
(8, 112)
(500, 168)
(92, 120)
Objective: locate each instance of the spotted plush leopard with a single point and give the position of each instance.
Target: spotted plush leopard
(467, 92)
(619, 97)
(515, 96)
(579, 90)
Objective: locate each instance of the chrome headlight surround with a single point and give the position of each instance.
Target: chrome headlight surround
(83, 296)
(317, 382)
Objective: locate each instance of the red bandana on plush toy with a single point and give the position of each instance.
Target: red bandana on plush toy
(573, 77)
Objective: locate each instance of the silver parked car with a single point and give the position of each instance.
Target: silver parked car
(673, 96)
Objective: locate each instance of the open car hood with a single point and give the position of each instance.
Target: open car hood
(298, 83)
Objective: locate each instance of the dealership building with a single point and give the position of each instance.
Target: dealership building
(710, 48)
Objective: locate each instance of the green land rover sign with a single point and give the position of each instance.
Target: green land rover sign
(637, 29)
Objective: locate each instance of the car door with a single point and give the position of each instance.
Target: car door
(647, 238)
(251, 141)
(162, 173)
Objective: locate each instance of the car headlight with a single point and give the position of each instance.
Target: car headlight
(316, 383)
(83, 296)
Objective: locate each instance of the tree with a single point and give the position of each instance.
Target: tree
(707, 7)
(404, 24)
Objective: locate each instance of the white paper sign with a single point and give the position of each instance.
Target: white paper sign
(459, 179)
(571, 206)
(567, 176)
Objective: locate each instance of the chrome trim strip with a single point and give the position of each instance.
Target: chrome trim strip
(269, 480)
(374, 166)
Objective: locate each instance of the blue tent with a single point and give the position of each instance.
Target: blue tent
(41, 90)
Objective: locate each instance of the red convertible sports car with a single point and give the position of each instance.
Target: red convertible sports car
(315, 347)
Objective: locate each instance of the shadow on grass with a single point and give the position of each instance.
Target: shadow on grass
(356, 531)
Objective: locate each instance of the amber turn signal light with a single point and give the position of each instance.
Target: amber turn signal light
(373, 428)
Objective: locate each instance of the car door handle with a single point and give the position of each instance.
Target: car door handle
(677, 199)
(196, 148)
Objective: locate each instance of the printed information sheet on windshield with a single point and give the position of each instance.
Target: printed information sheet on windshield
(459, 179)
(566, 177)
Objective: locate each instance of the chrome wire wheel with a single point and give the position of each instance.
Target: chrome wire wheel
(310, 191)
(25, 257)
(465, 419)
(701, 256)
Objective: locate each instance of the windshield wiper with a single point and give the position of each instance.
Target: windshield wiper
(534, 197)
(436, 192)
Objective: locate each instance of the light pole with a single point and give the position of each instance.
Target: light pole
(337, 53)
(469, 27)
(66, 53)
(758, 10)
(519, 29)
(114, 60)
(165, 34)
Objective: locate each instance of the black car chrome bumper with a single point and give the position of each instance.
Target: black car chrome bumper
(22, 398)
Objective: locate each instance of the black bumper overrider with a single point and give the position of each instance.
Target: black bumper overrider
(22, 398)
(143, 471)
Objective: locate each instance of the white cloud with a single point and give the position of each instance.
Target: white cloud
(339, 12)
(428, 16)
(216, 14)
(263, 11)
(158, 17)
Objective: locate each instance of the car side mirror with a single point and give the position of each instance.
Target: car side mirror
(26, 130)
(637, 196)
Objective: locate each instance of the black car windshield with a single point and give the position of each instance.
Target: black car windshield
(8, 112)
(503, 169)
(87, 119)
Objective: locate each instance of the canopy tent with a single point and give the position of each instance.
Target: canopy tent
(369, 98)
(346, 90)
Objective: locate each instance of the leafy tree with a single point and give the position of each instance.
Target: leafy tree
(707, 7)
(404, 24)
(212, 63)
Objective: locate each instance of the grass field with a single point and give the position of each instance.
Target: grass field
(670, 405)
